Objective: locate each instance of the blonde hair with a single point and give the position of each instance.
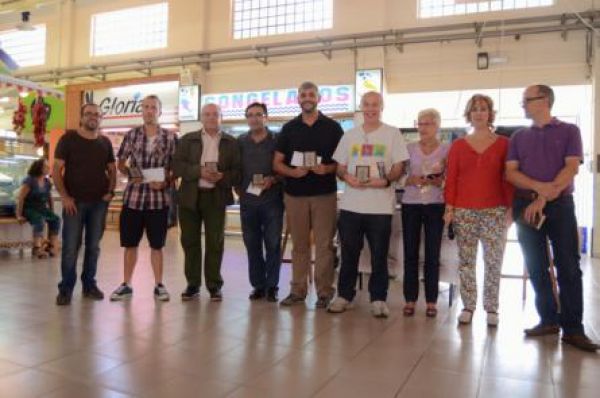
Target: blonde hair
(480, 98)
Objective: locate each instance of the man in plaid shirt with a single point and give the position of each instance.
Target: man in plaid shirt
(145, 156)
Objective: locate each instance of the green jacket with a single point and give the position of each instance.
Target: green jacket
(186, 164)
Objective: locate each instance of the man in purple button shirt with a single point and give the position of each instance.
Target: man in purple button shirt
(542, 163)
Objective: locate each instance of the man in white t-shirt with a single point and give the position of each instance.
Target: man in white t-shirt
(370, 157)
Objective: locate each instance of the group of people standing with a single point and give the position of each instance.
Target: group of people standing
(479, 184)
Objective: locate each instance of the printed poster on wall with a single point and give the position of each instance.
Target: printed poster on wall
(368, 80)
(189, 102)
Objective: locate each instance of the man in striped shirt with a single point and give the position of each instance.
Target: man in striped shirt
(145, 156)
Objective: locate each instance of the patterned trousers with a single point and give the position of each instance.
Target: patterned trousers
(487, 226)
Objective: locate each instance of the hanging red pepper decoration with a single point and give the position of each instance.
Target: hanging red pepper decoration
(19, 117)
(39, 113)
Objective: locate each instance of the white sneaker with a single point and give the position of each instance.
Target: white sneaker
(493, 319)
(465, 317)
(123, 292)
(339, 305)
(160, 293)
(379, 309)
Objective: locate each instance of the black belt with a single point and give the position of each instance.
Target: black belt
(202, 189)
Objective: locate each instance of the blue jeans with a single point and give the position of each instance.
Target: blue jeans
(262, 225)
(414, 217)
(90, 216)
(353, 227)
(561, 228)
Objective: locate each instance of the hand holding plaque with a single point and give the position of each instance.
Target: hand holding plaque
(258, 179)
(211, 167)
(381, 169)
(135, 174)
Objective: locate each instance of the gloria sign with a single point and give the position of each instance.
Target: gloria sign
(284, 102)
(121, 106)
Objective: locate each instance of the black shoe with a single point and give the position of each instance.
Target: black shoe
(93, 293)
(542, 330)
(257, 294)
(580, 341)
(216, 295)
(190, 293)
(272, 294)
(63, 299)
(323, 302)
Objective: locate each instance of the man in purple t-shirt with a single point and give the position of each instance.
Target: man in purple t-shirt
(542, 163)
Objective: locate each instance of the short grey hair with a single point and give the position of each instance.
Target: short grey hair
(432, 113)
(372, 94)
(308, 86)
(211, 104)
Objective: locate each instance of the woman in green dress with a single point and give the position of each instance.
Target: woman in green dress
(36, 207)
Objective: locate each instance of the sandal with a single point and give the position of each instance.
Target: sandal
(39, 252)
(49, 248)
(409, 310)
(431, 312)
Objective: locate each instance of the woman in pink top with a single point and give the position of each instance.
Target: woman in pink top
(423, 206)
(477, 202)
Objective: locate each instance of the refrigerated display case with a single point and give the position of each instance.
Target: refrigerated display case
(16, 155)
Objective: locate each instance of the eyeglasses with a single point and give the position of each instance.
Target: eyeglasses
(90, 114)
(531, 99)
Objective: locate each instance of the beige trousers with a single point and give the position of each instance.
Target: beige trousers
(316, 213)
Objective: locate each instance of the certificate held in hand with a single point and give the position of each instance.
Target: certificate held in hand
(154, 175)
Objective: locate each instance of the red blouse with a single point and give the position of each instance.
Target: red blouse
(476, 180)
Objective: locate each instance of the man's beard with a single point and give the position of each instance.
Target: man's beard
(313, 106)
(91, 126)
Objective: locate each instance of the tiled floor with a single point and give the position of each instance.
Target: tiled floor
(240, 349)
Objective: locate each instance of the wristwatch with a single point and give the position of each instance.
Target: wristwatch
(388, 183)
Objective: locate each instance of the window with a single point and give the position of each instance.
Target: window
(129, 30)
(254, 18)
(26, 47)
(443, 8)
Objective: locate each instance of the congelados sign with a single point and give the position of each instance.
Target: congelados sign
(334, 99)
(121, 106)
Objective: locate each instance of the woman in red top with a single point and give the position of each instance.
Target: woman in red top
(477, 203)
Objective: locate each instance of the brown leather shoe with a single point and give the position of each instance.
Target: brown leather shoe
(542, 330)
(93, 293)
(580, 341)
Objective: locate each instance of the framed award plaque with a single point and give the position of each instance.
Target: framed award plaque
(363, 173)
(310, 159)
(211, 167)
(258, 179)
